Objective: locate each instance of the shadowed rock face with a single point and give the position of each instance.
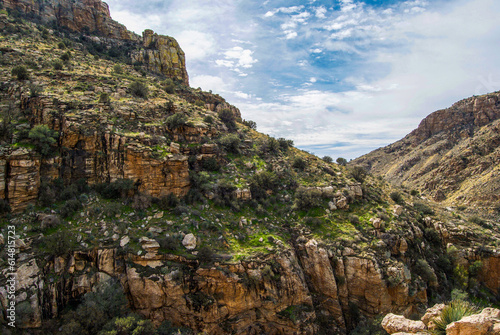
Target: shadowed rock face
(452, 156)
(85, 15)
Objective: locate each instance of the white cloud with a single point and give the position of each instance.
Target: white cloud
(243, 57)
(196, 44)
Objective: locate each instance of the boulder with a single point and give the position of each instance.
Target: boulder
(393, 323)
(189, 241)
(431, 314)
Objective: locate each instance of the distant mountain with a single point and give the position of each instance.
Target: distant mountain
(453, 156)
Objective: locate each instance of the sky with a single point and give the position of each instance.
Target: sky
(340, 77)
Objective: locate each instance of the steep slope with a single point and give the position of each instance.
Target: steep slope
(115, 173)
(453, 156)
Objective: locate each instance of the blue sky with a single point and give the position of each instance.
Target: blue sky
(340, 77)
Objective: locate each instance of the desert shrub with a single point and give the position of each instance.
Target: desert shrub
(117, 69)
(69, 192)
(299, 163)
(477, 220)
(425, 271)
(57, 65)
(139, 89)
(129, 325)
(70, 207)
(250, 124)
(284, 144)
(104, 98)
(20, 72)
(169, 243)
(43, 138)
(59, 243)
(210, 164)
(35, 90)
(423, 208)
(114, 190)
(111, 209)
(208, 119)
(454, 311)
(414, 193)
(261, 182)
(307, 198)
(341, 161)
(169, 85)
(65, 57)
(358, 173)
(227, 117)
(169, 201)
(61, 45)
(179, 210)
(327, 159)
(271, 146)
(231, 143)
(205, 255)
(105, 303)
(225, 192)
(396, 197)
(475, 268)
(175, 121)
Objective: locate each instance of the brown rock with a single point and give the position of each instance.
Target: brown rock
(431, 314)
(397, 323)
(476, 324)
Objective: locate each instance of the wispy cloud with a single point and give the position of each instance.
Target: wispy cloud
(339, 78)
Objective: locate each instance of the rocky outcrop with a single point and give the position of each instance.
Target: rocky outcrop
(452, 157)
(162, 54)
(282, 293)
(91, 16)
(486, 322)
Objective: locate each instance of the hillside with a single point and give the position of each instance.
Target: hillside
(452, 157)
(139, 202)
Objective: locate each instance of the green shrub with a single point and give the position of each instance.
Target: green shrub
(65, 57)
(4, 207)
(205, 255)
(299, 163)
(20, 72)
(396, 197)
(166, 328)
(117, 69)
(454, 311)
(228, 118)
(414, 193)
(210, 164)
(327, 159)
(475, 268)
(141, 201)
(114, 190)
(139, 89)
(341, 161)
(313, 222)
(169, 85)
(425, 271)
(262, 182)
(358, 173)
(58, 65)
(250, 124)
(43, 138)
(59, 243)
(284, 144)
(354, 219)
(169, 201)
(61, 45)
(231, 143)
(423, 208)
(168, 243)
(307, 198)
(104, 98)
(208, 119)
(70, 207)
(176, 121)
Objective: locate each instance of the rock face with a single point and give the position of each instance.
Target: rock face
(280, 294)
(85, 15)
(162, 54)
(449, 156)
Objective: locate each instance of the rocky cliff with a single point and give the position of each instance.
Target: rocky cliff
(91, 16)
(452, 156)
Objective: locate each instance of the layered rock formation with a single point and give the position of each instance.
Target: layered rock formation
(162, 54)
(453, 156)
(91, 16)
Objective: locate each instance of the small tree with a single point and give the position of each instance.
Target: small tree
(327, 159)
(58, 65)
(175, 121)
(117, 69)
(342, 161)
(227, 117)
(43, 138)
(358, 173)
(139, 90)
(20, 72)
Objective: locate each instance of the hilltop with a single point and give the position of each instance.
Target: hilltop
(452, 157)
(122, 180)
